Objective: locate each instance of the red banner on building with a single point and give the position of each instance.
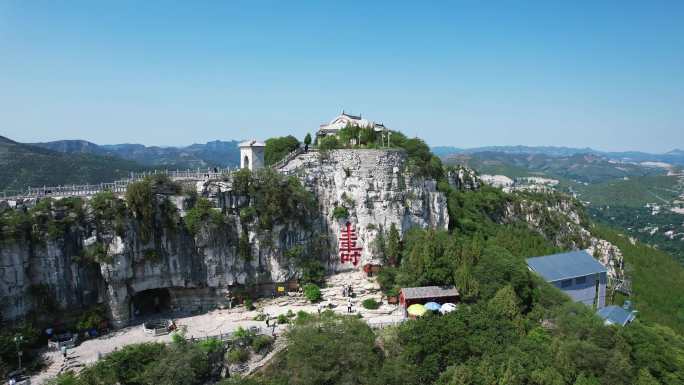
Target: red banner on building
(349, 251)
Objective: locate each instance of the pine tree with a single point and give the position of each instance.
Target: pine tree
(393, 246)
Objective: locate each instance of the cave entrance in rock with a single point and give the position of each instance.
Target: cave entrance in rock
(150, 302)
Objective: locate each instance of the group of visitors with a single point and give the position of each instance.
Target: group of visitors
(347, 291)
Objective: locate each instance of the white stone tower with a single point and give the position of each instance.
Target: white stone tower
(252, 154)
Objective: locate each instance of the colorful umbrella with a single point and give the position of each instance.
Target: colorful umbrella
(447, 308)
(433, 306)
(416, 310)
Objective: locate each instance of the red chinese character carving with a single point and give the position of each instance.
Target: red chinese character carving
(349, 252)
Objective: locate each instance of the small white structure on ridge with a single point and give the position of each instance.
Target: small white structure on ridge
(252, 154)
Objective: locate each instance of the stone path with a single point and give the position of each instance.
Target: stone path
(228, 320)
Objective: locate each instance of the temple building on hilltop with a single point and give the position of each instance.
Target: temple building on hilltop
(345, 119)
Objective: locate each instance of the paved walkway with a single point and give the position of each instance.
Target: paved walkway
(224, 321)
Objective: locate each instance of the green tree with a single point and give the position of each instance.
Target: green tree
(312, 292)
(329, 142)
(277, 148)
(331, 349)
(645, 378)
(307, 139)
(467, 285)
(506, 303)
(393, 248)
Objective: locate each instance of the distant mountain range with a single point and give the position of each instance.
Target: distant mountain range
(586, 167)
(78, 161)
(211, 154)
(675, 157)
(23, 165)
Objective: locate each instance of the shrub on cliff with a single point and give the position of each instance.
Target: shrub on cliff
(108, 211)
(237, 356)
(202, 212)
(140, 197)
(274, 198)
(340, 213)
(262, 342)
(15, 224)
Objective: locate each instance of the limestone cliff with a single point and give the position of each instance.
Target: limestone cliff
(377, 188)
(563, 221)
(240, 236)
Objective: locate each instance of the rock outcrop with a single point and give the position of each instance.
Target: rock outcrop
(377, 189)
(229, 254)
(561, 220)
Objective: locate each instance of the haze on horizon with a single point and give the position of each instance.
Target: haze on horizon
(578, 74)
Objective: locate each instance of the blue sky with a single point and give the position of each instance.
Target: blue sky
(609, 75)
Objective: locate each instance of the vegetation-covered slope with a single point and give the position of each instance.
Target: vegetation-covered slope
(211, 154)
(631, 192)
(588, 168)
(23, 165)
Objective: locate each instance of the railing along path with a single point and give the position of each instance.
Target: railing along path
(117, 187)
(120, 186)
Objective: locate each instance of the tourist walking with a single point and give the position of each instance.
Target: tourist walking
(349, 305)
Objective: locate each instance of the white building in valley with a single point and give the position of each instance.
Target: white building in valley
(252, 154)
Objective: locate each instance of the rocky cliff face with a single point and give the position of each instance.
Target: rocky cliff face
(229, 250)
(562, 220)
(376, 188)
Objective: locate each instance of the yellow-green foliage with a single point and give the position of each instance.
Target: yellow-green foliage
(657, 280)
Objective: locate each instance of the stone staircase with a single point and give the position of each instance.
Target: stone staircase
(58, 365)
(297, 161)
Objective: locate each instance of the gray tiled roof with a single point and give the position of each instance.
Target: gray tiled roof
(429, 292)
(565, 265)
(616, 315)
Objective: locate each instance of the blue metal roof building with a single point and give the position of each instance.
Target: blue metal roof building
(576, 273)
(616, 315)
